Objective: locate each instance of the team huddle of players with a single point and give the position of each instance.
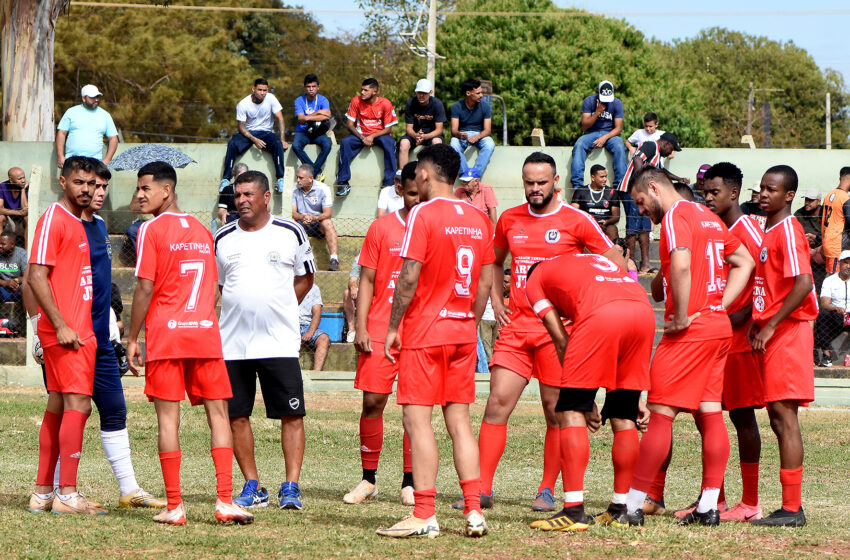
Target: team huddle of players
(737, 306)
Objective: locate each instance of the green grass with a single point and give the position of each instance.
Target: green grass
(327, 528)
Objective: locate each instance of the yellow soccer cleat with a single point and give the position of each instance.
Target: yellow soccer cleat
(140, 499)
(564, 523)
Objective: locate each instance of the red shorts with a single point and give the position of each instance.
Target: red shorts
(742, 384)
(70, 371)
(437, 374)
(528, 354)
(200, 378)
(787, 367)
(375, 373)
(615, 358)
(684, 374)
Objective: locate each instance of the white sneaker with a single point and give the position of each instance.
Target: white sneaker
(412, 527)
(362, 492)
(231, 513)
(176, 516)
(475, 524)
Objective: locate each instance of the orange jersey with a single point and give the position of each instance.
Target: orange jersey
(381, 252)
(832, 222)
(746, 229)
(176, 254)
(453, 240)
(60, 243)
(531, 238)
(784, 255)
(695, 227)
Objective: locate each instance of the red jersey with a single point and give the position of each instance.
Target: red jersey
(453, 240)
(176, 254)
(784, 255)
(748, 230)
(576, 285)
(695, 227)
(531, 238)
(60, 243)
(371, 118)
(381, 252)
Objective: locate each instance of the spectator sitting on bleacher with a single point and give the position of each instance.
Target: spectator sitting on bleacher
(314, 121)
(600, 201)
(471, 120)
(834, 306)
(13, 264)
(349, 299)
(13, 202)
(227, 212)
(369, 119)
(809, 216)
(312, 207)
(424, 118)
(602, 122)
(648, 132)
(478, 194)
(390, 199)
(310, 315)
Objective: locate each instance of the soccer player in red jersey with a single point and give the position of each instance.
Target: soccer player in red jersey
(175, 301)
(441, 293)
(687, 368)
(783, 304)
(61, 280)
(541, 229)
(380, 261)
(594, 293)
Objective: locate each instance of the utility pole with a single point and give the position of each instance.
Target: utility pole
(432, 41)
(828, 123)
(750, 101)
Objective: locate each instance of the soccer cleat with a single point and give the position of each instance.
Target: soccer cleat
(544, 501)
(653, 507)
(614, 516)
(289, 496)
(681, 513)
(231, 513)
(475, 524)
(40, 505)
(176, 516)
(365, 490)
(140, 499)
(412, 527)
(320, 177)
(565, 521)
(742, 512)
(334, 265)
(407, 498)
(252, 495)
(635, 519)
(710, 518)
(827, 362)
(781, 518)
(486, 502)
(76, 503)
(342, 189)
(278, 185)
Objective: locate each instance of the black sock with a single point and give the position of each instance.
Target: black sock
(370, 475)
(407, 479)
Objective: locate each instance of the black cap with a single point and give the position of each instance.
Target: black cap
(670, 137)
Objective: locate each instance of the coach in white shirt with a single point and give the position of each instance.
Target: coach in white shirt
(265, 268)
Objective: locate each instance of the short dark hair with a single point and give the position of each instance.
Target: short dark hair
(540, 157)
(469, 85)
(789, 176)
(621, 243)
(160, 170)
(596, 169)
(257, 177)
(102, 171)
(310, 78)
(408, 172)
(647, 173)
(650, 117)
(729, 173)
(371, 82)
(9, 233)
(844, 172)
(684, 191)
(261, 81)
(443, 158)
(79, 163)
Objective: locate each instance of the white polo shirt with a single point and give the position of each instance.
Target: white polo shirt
(256, 271)
(836, 289)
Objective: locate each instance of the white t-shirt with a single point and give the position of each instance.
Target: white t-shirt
(256, 270)
(389, 200)
(305, 310)
(258, 116)
(640, 136)
(836, 290)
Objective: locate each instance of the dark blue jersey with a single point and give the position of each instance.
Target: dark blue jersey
(101, 267)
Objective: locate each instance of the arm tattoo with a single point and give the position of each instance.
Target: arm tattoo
(405, 288)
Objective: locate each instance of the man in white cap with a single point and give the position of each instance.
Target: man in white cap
(424, 117)
(834, 306)
(602, 122)
(809, 216)
(82, 128)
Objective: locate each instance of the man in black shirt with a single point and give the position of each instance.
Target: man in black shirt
(600, 201)
(226, 200)
(424, 117)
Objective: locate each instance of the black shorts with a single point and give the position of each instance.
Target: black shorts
(280, 382)
(313, 229)
(620, 403)
(412, 141)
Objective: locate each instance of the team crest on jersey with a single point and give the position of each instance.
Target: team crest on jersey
(108, 248)
(553, 236)
(758, 303)
(273, 258)
(763, 254)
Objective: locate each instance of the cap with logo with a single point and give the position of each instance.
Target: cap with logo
(90, 91)
(605, 91)
(424, 86)
(812, 194)
(470, 174)
(670, 137)
(702, 169)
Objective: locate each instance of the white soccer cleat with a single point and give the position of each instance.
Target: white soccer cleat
(475, 524)
(231, 513)
(362, 492)
(176, 516)
(412, 527)
(40, 505)
(407, 498)
(76, 503)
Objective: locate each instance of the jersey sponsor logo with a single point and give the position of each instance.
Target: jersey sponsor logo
(172, 324)
(202, 248)
(763, 254)
(86, 283)
(474, 233)
(553, 236)
(205, 323)
(709, 224)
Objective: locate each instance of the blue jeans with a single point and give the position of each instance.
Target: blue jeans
(324, 144)
(10, 295)
(584, 145)
(485, 149)
(351, 145)
(239, 144)
(481, 367)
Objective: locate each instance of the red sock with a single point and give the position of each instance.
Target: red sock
(654, 447)
(656, 491)
(471, 495)
(491, 444)
(406, 455)
(715, 448)
(371, 441)
(424, 499)
(551, 458)
(223, 461)
(575, 454)
(70, 445)
(750, 483)
(624, 454)
(48, 448)
(170, 461)
(792, 488)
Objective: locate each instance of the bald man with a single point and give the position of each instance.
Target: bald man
(13, 202)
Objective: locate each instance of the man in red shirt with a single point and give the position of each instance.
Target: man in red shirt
(380, 261)
(61, 280)
(594, 293)
(175, 301)
(784, 303)
(369, 119)
(441, 293)
(688, 365)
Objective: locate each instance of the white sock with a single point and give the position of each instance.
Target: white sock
(334, 256)
(116, 445)
(618, 498)
(634, 500)
(44, 496)
(708, 500)
(56, 476)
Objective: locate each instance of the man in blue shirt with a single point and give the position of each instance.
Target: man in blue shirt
(471, 125)
(82, 128)
(602, 121)
(314, 118)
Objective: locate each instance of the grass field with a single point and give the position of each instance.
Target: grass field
(327, 528)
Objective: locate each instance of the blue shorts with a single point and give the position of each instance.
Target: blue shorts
(313, 229)
(319, 332)
(635, 221)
